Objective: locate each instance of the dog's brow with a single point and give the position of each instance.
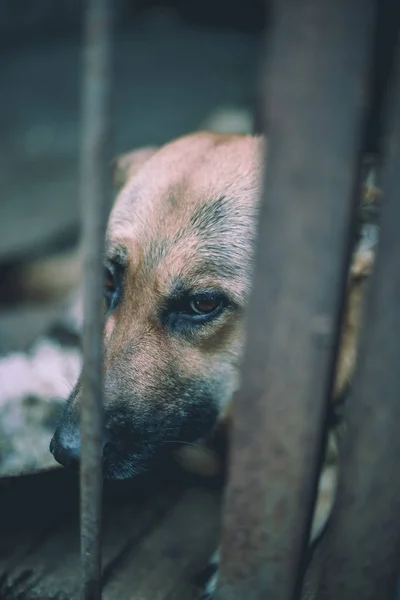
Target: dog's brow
(209, 274)
(118, 254)
(222, 268)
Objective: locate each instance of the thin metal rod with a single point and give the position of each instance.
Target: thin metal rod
(314, 111)
(95, 200)
(363, 545)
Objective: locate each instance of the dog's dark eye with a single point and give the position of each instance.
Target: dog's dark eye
(191, 310)
(110, 288)
(205, 305)
(202, 306)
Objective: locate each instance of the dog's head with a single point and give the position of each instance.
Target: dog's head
(178, 266)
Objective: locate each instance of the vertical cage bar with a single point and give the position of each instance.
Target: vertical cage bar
(314, 110)
(363, 544)
(95, 199)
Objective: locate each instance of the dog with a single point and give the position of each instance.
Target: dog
(178, 269)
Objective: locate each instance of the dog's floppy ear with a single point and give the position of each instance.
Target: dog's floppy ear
(126, 165)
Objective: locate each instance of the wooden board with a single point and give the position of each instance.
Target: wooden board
(158, 535)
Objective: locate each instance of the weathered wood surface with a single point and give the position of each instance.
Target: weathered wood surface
(364, 542)
(158, 534)
(315, 94)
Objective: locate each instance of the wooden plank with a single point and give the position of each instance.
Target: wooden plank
(39, 553)
(363, 546)
(50, 562)
(315, 97)
(164, 564)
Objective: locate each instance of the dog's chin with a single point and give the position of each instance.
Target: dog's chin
(127, 466)
(126, 463)
(124, 469)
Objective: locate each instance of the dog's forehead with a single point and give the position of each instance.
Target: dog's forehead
(187, 182)
(193, 205)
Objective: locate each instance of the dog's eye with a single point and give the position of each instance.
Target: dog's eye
(110, 288)
(205, 305)
(192, 310)
(202, 306)
(109, 281)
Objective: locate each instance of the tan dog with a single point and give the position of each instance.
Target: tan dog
(178, 262)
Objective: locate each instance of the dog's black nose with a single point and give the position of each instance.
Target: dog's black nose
(66, 447)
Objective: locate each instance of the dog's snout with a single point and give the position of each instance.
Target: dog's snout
(66, 447)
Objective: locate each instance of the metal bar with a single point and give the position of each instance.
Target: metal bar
(95, 200)
(363, 544)
(314, 110)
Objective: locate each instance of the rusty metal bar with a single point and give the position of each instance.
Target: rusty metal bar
(363, 545)
(319, 57)
(95, 200)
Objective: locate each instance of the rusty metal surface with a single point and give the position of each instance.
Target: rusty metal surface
(95, 200)
(363, 547)
(314, 110)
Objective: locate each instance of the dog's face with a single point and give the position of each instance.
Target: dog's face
(178, 266)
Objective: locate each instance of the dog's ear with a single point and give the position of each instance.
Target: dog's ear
(126, 165)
